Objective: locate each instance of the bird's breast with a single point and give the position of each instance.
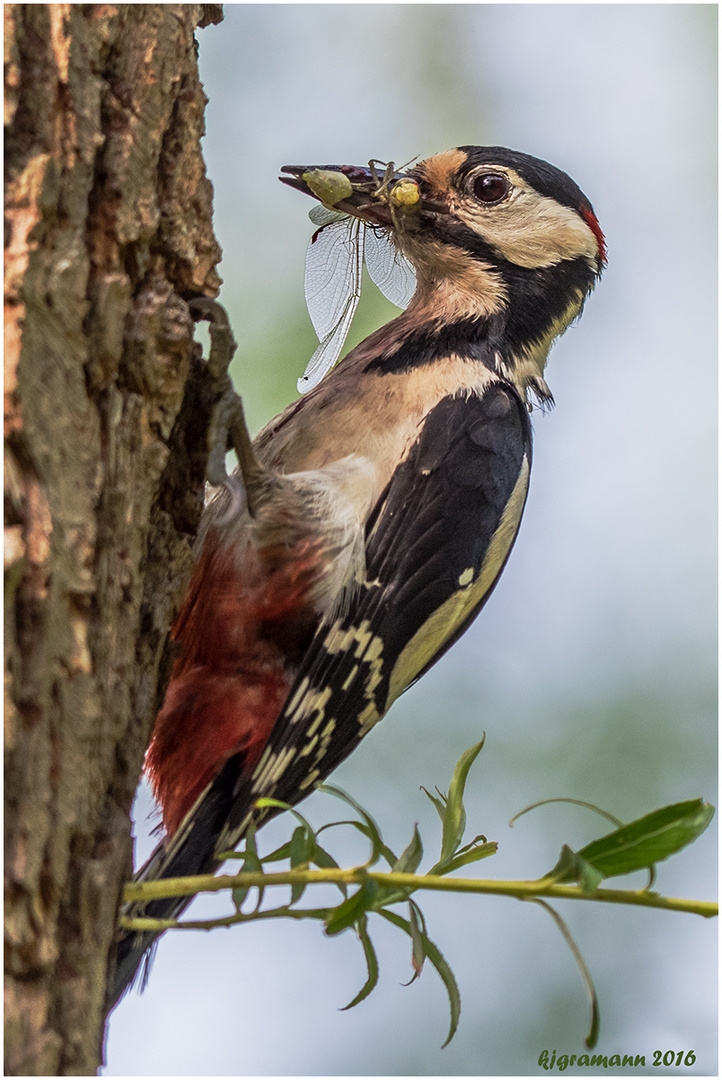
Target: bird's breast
(373, 416)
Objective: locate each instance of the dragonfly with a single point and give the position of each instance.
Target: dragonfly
(335, 259)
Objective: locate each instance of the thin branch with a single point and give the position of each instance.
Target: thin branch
(188, 886)
(153, 925)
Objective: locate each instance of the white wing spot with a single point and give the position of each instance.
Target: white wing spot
(308, 747)
(309, 779)
(467, 577)
(267, 776)
(368, 718)
(350, 678)
(313, 773)
(300, 691)
(312, 701)
(262, 761)
(368, 650)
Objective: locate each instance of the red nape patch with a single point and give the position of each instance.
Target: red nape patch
(591, 220)
(238, 629)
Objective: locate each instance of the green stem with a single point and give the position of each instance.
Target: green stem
(142, 924)
(137, 891)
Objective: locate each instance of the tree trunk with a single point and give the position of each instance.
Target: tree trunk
(108, 233)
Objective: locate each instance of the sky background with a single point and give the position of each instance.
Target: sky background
(592, 669)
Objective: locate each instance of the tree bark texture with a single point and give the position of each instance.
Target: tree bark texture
(108, 233)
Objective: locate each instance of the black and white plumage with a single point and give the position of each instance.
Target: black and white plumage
(384, 503)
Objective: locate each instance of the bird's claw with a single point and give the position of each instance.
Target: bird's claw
(227, 412)
(227, 427)
(223, 344)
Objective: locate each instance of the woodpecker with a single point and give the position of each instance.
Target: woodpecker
(376, 512)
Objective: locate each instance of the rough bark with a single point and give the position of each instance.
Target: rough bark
(108, 232)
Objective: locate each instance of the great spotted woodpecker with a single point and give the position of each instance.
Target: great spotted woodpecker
(378, 511)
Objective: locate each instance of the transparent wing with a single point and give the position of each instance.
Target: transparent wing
(334, 261)
(324, 215)
(390, 271)
(331, 275)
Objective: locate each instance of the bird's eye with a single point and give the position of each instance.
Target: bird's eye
(491, 187)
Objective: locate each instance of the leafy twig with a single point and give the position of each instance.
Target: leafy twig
(368, 891)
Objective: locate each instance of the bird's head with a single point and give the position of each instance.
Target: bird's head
(506, 247)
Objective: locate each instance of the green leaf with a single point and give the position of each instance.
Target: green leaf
(588, 876)
(574, 802)
(350, 911)
(281, 853)
(439, 803)
(409, 859)
(593, 1033)
(372, 964)
(445, 973)
(567, 866)
(470, 854)
(418, 952)
(377, 845)
(302, 849)
(265, 803)
(454, 813)
(324, 861)
(251, 865)
(268, 803)
(649, 839)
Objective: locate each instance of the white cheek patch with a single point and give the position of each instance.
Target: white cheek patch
(531, 230)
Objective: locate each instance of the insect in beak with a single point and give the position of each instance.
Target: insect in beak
(361, 208)
(377, 196)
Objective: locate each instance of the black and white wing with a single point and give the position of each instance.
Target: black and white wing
(436, 544)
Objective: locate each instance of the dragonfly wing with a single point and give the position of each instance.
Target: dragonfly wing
(390, 271)
(331, 272)
(334, 262)
(324, 215)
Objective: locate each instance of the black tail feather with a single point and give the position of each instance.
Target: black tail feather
(195, 855)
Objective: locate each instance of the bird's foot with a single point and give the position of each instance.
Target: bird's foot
(227, 428)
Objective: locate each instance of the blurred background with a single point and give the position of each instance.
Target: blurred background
(592, 669)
